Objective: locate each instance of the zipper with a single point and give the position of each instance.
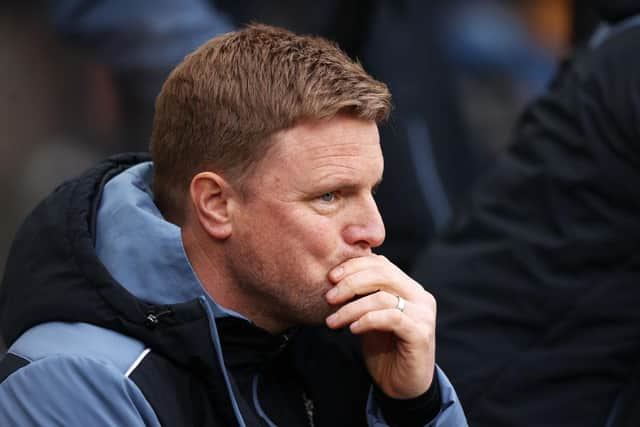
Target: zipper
(152, 318)
(309, 409)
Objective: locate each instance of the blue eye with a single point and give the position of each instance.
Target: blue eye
(328, 197)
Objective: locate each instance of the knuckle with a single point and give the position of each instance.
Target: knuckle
(428, 329)
(347, 285)
(428, 299)
(418, 286)
(383, 298)
(424, 334)
(365, 319)
(375, 317)
(361, 306)
(343, 312)
(383, 263)
(398, 317)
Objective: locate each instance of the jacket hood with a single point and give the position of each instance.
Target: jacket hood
(140, 249)
(143, 251)
(54, 273)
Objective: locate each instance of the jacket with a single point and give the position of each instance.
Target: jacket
(108, 325)
(537, 280)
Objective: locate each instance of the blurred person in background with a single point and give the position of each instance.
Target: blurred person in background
(537, 278)
(138, 43)
(79, 82)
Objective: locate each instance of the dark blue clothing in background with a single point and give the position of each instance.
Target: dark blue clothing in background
(537, 281)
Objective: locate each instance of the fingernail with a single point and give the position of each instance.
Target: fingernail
(333, 292)
(354, 326)
(331, 320)
(337, 272)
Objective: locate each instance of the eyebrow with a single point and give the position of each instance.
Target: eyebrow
(346, 183)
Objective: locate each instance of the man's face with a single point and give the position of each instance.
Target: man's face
(309, 208)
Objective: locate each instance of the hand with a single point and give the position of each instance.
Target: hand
(398, 346)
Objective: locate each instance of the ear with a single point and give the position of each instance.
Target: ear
(210, 194)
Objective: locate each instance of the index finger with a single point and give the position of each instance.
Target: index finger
(352, 265)
(359, 283)
(365, 275)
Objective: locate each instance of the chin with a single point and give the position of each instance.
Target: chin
(316, 314)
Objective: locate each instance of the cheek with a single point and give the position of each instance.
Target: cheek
(321, 237)
(298, 232)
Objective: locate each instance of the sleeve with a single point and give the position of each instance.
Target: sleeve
(72, 391)
(450, 414)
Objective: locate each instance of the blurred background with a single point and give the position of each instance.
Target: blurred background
(79, 79)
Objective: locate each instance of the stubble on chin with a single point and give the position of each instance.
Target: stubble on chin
(316, 310)
(284, 301)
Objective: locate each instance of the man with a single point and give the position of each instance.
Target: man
(231, 281)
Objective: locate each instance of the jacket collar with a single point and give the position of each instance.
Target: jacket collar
(54, 274)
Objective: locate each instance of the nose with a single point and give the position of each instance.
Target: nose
(365, 228)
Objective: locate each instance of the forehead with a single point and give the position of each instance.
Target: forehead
(340, 147)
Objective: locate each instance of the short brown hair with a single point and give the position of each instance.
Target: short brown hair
(218, 108)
